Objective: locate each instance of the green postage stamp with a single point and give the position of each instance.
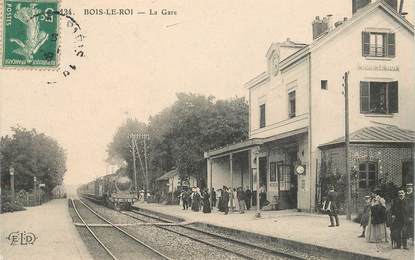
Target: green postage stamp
(30, 33)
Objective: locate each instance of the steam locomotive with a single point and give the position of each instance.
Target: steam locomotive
(113, 190)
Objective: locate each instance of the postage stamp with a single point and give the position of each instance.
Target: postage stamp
(30, 33)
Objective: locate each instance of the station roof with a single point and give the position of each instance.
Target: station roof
(380, 133)
(167, 175)
(249, 144)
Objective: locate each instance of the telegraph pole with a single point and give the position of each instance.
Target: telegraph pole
(258, 212)
(145, 136)
(347, 144)
(145, 171)
(134, 165)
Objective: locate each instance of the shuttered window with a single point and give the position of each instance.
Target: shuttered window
(378, 97)
(391, 44)
(291, 104)
(393, 97)
(262, 116)
(365, 43)
(376, 44)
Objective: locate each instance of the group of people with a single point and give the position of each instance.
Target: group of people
(236, 199)
(196, 200)
(400, 218)
(225, 199)
(376, 217)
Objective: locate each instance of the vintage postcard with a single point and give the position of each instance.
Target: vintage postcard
(183, 129)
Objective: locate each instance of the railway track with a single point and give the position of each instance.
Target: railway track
(115, 243)
(241, 248)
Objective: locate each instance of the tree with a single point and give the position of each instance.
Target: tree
(181, 133)
(32, 155)
(120, 149)
(192, 125)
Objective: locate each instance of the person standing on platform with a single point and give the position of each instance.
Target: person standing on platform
(376, 229)
(241, 200)
(195, 200)
(220, 200)
(235, 200)
(206, 202)
(184, 199)
(225, 200)
(213, 197)
(364, 220)
(262, 196)
(410, 208)
(330, 206)
(399, 221)
(248, 196)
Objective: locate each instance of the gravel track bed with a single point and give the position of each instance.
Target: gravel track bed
(253, 252)
(122, 246)
(145, 218)
(87, 215)
(261, 243)
(234, 246)
(118, 243)
(172, 245)
(94, 248)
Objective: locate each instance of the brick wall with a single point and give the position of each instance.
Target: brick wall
(389, 159)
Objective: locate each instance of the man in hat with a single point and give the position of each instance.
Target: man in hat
(410, 210)
(399, 221)
(332, 206)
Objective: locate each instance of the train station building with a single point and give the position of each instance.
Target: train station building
(297, 112)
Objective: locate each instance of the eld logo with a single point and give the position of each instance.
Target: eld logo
(21, 238)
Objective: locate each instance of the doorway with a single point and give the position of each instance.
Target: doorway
(407, 172)
(287, 180)
(263, 173)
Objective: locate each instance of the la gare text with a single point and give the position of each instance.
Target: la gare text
(128, 11)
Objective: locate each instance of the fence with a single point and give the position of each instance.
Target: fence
(24, 198)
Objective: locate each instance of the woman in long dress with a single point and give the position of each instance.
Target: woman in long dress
(195, 200)
(206, 202)
(220, 200)
(376, 228)
(235, 200)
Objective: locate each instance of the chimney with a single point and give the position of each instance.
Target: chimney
(393, 4)
(319, 26)
(358, 4)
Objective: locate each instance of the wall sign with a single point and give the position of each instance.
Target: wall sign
(380, 67)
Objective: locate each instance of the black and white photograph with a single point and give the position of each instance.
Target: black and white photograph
(181, 129)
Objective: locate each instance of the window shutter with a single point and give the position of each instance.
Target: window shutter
(364, 97)
(391, 44)
(262, 116)
(365, 44)
(393, 100)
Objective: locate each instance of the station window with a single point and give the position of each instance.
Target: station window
(291, 104)
(324, 84)
(367, 175)
(377, 44)
(262, 116)
(378, 97)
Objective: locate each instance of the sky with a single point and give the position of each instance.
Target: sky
(134, 65)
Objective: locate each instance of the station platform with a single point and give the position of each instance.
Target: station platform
(305, 228)
(56, 236)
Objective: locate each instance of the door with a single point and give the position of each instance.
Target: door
(407, 172)
(263, 172)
